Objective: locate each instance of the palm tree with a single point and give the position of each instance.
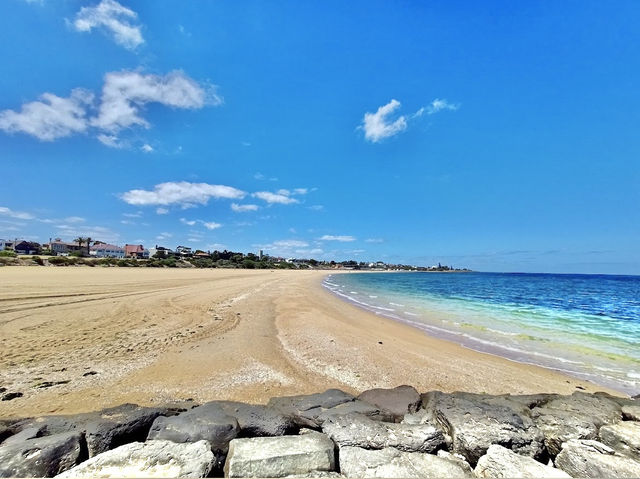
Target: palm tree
(88, 240)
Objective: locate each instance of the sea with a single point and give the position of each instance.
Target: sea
(586, 326)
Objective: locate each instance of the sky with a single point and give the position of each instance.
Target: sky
(497, 136)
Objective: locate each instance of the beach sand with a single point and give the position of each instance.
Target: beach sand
(154, 336)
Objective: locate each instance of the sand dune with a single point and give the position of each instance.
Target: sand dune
(114, 335)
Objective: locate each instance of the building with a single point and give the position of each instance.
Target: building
(136, 251)
(59, 247)
(27, 247)
(184, 251)
(6, 244)
(104, 250)
(161, 251)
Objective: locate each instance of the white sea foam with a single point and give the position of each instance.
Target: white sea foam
(397, 304)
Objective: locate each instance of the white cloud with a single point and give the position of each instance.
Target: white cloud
(111, 141)
(161, 211)
(74, 219)
(374, 240)
(211, 225)
(300, 191)
(124, 93)
(163, 236)
(438, 105)
(316, 207)
(113, 17)
(181, 193)
(377, 126)
(343, 239)
(275, 197)
(137, 214)
(51, 118)
(95, 232)
(187, 222)
(243, 208)
(260, 176)
(21, 215)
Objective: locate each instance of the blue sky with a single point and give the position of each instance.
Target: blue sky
(499, 136)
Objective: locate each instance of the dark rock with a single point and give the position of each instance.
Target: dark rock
(208, 422)
(305, 409)
(120, 425)
(355, 407)
(399, 401)
(10, 396)
(2, 390)
(585, 458)
(104, 429)
(257, 420)
(473, 425)
(578, 416)
(25, 434)
(90, 373)
(360, 431)
(43, 456)
(48, 384)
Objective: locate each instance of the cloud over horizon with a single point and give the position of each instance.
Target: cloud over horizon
(181, 193)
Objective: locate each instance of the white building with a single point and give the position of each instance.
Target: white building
(6, 244)
(106, 251)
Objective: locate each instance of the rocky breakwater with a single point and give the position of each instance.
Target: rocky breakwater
(381, 433)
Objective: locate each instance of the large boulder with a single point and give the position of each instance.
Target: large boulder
(305, 409)
(104, 430)
(578, 416)
(258, 420)
(474, 424)
(360, 431)
(624, 437)
(280, 456)
(586, 458)
(208, 422)
(502, 462)
(120, 425)
(392, 463)
(149, 459)
(355, 407)
(42, 456)
(398, 401)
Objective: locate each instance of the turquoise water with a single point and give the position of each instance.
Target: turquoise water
(587, 326)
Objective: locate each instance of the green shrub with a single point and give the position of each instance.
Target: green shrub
(38, 260)
(7, 253)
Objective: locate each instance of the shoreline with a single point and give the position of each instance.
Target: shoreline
(472, 344)
(106, 337)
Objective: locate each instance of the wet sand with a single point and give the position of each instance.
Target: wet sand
(153, 336)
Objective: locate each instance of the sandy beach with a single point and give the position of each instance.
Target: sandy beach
(80, 339)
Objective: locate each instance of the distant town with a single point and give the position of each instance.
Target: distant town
(89, 252)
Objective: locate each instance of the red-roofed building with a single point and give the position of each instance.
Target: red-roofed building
(136, 251)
